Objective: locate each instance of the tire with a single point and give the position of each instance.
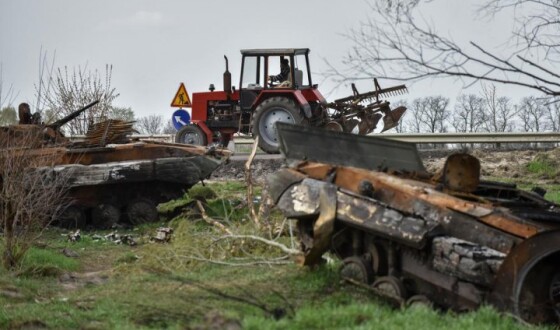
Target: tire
(141, 210)
(191, 134)
(390, 286)
(73, 217)
(105, 216)
(269, 112)
(357, 269)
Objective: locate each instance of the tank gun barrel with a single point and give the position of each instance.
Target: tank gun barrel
(59, 123)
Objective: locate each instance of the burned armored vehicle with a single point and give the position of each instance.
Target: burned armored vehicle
(448, 239)
(109, 177)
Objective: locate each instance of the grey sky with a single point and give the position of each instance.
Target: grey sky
(155, 45)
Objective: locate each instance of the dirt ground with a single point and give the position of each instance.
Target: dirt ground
(494, 163)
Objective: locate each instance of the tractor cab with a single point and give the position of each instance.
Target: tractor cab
(272, 69)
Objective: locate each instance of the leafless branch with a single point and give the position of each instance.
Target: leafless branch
(7, 97)
(280, 246)
(32, 191)
(241, 264)
(209, 220)
(249, 180)
(394, 45)
(72, 89)
(150, 124)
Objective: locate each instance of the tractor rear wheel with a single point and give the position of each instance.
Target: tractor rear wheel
(270, 111)
(191, 134)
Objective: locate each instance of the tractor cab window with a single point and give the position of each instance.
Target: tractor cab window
(301, 77)
(279, 72)
(251, 73)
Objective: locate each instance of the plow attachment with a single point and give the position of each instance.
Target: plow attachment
(369, 108)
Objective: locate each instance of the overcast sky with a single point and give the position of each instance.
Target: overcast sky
(155, 45)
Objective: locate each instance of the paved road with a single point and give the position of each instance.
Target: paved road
(244, 156)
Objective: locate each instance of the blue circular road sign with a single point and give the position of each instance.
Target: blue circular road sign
(180, 118)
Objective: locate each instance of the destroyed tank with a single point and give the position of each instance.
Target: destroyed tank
(448, 239)
(110, 178)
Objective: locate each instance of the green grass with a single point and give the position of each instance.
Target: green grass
(544, 164)
(155, 286)
(47, 262)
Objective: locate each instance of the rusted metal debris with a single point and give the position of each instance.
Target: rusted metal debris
(109, 131)
(74, 236)
(449, 238)
(110, 178)
(163, 235)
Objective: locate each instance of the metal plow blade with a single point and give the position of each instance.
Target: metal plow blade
(300, 143)
(392, 118)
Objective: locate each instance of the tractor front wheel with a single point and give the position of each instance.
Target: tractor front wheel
(270, 111)
(191, 134)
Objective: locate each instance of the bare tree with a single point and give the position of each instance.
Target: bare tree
(413, 122)
(429, 114)
(532, 113)
(73, 89)
(152, 124)
(469, 113)
(7, 97)
(393, 44)
(553, 116)
(121, 113)
(8, 116)
(31, 194)
(499, 115)
(169, 128)
(44, 84)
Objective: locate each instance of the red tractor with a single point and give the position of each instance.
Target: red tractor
(264, 99)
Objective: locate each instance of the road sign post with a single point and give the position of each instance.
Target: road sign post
(181, 99)
(180, 118)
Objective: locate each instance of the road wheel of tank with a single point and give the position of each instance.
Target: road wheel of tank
(105, 215)
(191, 134)
(391, 287)
(538, 298)
(270, 111)
(378, 259)
(141, 210)
(419, 300)
(357, 269)
(73, 217)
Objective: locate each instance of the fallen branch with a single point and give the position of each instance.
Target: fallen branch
(281, 246)
(249, 180)
(209, 220)
(240, 264)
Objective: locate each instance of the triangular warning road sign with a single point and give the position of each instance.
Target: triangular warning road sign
(181, 98)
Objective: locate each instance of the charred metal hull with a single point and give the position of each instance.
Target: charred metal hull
(109, 179)
(449, 238)
(125, 182)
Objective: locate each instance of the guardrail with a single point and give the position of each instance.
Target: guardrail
(420, 138)
(451, 138)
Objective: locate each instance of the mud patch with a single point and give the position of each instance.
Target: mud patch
(73, 281)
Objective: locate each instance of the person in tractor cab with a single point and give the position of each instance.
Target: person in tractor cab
(284, 76)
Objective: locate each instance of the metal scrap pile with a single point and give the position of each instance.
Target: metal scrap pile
(108, 132)
(447, 239)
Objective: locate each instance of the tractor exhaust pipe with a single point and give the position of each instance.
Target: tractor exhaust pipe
(227, 78)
